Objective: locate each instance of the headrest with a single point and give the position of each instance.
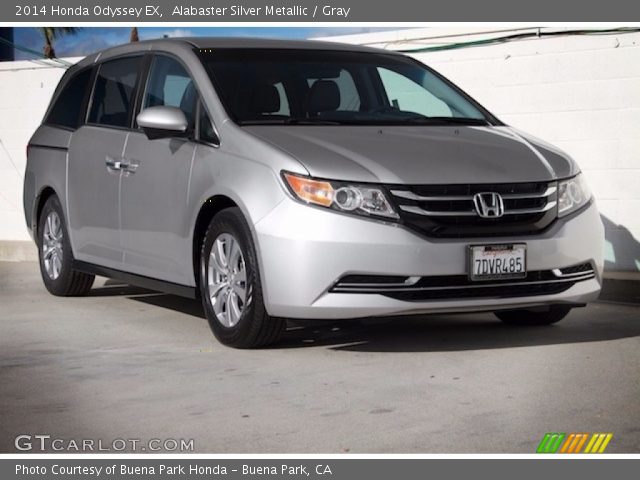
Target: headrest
(265, 99)
(324, 96)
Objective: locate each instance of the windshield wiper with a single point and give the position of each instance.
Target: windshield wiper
(311, 121)
(290, 121)
(446, 120)
(419, 120)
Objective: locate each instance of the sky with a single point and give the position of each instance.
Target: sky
(91, 39)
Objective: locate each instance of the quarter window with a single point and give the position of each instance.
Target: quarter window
(66, 111)
(205, 127)
(114, 92)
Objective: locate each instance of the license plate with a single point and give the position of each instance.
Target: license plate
(497, 262)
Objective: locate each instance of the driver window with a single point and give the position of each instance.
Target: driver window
(169, 84)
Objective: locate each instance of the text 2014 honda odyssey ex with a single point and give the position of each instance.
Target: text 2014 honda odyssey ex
(305, 180)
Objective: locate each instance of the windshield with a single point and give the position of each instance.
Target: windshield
(264, 86)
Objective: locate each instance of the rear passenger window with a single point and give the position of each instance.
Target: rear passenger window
(114, 91)
(66, 111)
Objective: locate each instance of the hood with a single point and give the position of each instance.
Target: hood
(418, 154)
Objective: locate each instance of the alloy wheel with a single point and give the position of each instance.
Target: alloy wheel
(52, 237)
(227, 280)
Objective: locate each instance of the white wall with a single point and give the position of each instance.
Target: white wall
(581, 93)
(25, 90)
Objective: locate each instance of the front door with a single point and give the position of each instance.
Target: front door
(155, 220)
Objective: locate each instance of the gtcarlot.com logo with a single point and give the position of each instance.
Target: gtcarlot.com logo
(47, 443)
(574, 443)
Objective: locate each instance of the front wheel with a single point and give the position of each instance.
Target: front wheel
(230, 285)
(531, 318)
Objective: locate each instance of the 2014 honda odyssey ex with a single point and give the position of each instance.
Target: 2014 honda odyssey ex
(304, 180)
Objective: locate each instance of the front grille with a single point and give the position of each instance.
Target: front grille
(441, 287)
(448, 211)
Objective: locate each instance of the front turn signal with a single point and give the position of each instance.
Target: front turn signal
(311, 191)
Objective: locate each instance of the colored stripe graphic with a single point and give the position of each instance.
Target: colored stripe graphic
(570, 443)
(581, 443)
(573, 442)
(598, 443)
(550, 443)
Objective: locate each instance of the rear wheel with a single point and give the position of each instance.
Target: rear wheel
(531, 317)
(55, 255)
(230, 285)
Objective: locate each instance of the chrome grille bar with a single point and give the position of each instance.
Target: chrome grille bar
(432, 213)
(471, 213)
(419, 198)
(343, 289)
(452, 198)
(406, 283)
(573, 276)
(550, 194)
(520, 211)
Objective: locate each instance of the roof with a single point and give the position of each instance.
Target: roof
(239, 42)
(222, 43)
(235, 42)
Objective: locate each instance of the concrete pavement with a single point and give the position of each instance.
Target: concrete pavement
(134, 364)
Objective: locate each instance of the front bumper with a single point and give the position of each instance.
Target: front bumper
(304, 251)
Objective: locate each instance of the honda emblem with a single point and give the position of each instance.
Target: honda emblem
(488, 204)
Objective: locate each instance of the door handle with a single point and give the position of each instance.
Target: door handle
(123, 164)
(113, 164)
(130, 166)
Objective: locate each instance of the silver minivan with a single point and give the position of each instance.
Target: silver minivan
(302, 180)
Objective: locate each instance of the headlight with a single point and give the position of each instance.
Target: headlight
(341, 196)
(573, 194)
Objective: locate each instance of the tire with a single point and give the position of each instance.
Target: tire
(54, 253)
(236, 315)
(533, 318)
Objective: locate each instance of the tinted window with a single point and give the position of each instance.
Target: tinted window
(303, 86)
(284, 101)
(114, 91)
(66, 111)
(170, 84)
(347, 91)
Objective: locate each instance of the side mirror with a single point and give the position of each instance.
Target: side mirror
(162, 122)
